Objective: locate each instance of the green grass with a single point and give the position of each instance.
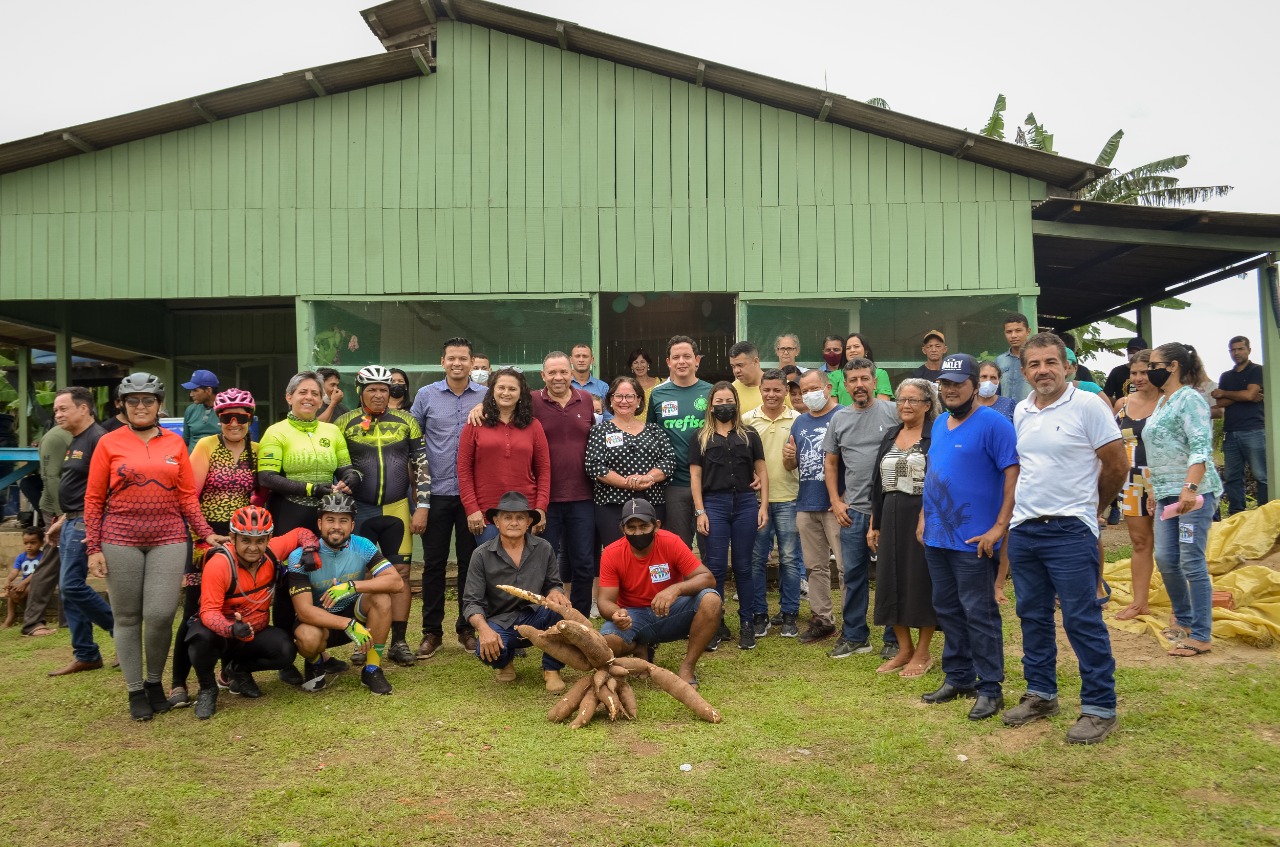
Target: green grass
(811, 752)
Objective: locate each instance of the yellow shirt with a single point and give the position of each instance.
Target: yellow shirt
(784, 485)
(748, 397)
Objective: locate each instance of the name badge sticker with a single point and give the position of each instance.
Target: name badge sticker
(670, 408)
(1186, 533)
(660, 573)
(613, 439)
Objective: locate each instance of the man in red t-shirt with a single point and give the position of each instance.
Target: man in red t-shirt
(653, 589)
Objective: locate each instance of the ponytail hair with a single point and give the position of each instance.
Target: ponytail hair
(1189, 364)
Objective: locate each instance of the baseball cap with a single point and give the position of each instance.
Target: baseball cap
(637, 508)
(958, 367)
(201, 379)
(1136, 343)
(931, 333)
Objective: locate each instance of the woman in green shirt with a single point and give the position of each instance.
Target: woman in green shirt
(856, 346)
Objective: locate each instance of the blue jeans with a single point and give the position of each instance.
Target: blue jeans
(538, 617)
(571, 531)
(1239, 449)
(1180, 544)
(84, 606)
(648, 628)
(856, 557)
(733, 525)
(1060, 558)
(782, 524)
(964, 601)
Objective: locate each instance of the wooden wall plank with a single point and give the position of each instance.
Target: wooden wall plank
(881, 248)
(570, 120)
(805, 161)
(642, 128)
(787, 190)
(823, 164)
(624, 163)
(553, 152)
(663, 249)
(534, 116)
(753, 243)
(499, 139)
(770, 155)
(825, 239)
(733, 152)
(661, 143)
(898, 247)
(714, 144)
(935, 272)
(698, 191)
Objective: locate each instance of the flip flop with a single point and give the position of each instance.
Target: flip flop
(1195, 651)
(39, 632)
(693, 683)
(909, 672)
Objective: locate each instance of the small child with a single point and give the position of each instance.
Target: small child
(23, 567)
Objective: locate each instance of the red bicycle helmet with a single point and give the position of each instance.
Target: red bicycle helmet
(233, 398)
(252, 520)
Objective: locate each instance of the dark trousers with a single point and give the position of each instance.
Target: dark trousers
(571, 531)
(448, 517)
(1060, 559)
(270, 650)
(734, 521)
(964, 601)
(40, 591)
(538, 617)
(190, 608)
(83, 606)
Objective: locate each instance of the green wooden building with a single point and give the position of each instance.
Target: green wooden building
(530, 184)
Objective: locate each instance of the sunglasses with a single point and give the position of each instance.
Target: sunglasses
(141, 401)
(235, 418)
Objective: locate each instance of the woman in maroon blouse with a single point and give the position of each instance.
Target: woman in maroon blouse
(507, 452)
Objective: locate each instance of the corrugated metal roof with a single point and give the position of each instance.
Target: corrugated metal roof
(229, 102)
(1082, 280)
(396, 24)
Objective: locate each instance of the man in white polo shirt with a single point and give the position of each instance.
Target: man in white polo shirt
(1073, 464)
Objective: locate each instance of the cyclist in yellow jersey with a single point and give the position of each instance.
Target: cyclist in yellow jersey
(386, 448)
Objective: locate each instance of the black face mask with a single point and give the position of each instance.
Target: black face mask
(725, 413)
(397, 390)
(1158, 377)
(962, 411)
(641, 541)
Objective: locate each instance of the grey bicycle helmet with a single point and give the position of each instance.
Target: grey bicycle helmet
(338, 503)
(140, 383)
(373, 375)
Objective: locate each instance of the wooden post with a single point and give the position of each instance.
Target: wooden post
(1269, 355)
(1144, 323)
(25, 397)
(62, 348)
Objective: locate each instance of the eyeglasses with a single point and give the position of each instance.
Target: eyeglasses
(629, 397)
(789, 349)
(1160, 366)
(235, 418)
(145, 400)
(910, 401)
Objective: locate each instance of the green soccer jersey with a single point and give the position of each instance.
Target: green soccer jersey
(680, 412)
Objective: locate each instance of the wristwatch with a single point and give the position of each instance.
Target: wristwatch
(1191, 486)
(697, 513)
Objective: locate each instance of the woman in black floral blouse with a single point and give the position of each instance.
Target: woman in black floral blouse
(627, 458)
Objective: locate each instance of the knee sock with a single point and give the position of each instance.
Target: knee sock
(374, 657)
(398, 630)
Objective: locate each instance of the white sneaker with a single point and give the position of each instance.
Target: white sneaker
(595, 611)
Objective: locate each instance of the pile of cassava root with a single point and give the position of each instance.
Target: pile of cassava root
(607, 684)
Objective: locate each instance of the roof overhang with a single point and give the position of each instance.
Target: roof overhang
(1097, 260)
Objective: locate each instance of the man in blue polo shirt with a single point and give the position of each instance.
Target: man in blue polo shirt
(968, 501)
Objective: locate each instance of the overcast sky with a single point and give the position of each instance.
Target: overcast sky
(1174, 77)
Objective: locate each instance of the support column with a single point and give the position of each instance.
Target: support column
(1027, 305)
(62, 348)
(855, 316)
(1144, 323)
(25, 397)
(1269, 355)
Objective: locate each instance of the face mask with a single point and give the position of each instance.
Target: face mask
(725, 413)
(832, 359)
(1158, 377)
(987, 389)
(397, 390)
(814, 400)
(641, 541)
(962, 411)
(479, 376)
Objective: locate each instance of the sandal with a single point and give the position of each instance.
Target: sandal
(912, 672)
(39, 632)
(1195, 651)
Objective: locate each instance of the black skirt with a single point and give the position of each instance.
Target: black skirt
(904, 592)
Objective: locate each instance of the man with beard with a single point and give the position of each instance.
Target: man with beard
(968, 500)
(1073, 464)
(854, 436)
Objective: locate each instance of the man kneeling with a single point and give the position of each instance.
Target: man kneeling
(513, 558)
(236, 590)
(653, 589)
(342, 594)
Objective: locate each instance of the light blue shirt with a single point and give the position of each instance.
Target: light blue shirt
(1012, 385)
(442, 414)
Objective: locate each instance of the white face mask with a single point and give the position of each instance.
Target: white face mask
(987, 390)
(480, 376)
(814, 400)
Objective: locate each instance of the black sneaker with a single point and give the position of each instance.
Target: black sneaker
(1113, 517)
(747, 638)
(178, 698)
(242, 683)
(223, 678)
(206, 703)
(817, 632)
(722, 634)
(400, 653)
(139, 706)
(315, 676)
(291, 676)
(375, 681)
(845, 649)
(790, 629)
(889, 650)
(332, 665)
(761, 624)
(777, 620)
(156, 697)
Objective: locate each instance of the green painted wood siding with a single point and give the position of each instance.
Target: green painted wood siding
(517, 167)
